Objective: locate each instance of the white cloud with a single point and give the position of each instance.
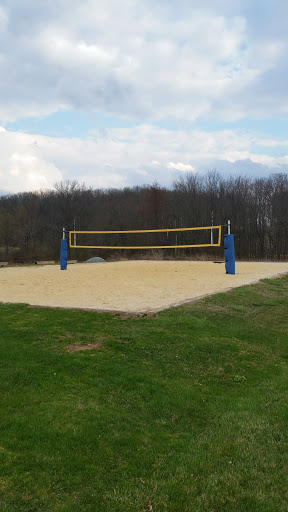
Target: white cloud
(3, 20)
(181, 167)
(24, 167)
(126, 157)
(134, 59)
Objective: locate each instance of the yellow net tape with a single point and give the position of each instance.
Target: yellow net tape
(144, 246)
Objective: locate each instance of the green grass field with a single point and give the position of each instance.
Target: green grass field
(182, 411)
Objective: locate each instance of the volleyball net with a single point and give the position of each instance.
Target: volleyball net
(172, 238)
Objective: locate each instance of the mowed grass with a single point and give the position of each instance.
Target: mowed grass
(185, 410)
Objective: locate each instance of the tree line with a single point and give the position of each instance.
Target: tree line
(31, 222)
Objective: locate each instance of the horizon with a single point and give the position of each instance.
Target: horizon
(200, 176)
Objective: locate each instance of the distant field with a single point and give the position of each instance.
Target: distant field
(179, 411)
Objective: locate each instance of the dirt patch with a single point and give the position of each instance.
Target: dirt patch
(79, 347)
(134, 287)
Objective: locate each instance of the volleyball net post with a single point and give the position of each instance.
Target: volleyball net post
(63, 251)
(229, 251)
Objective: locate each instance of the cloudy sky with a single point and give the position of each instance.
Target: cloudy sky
(123, 93)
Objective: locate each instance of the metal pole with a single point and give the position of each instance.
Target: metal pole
(229, 227)
(212, 230)
(74, 233)
(175, 239)
(64, 236)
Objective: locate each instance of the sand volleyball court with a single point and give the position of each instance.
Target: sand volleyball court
(130, 286)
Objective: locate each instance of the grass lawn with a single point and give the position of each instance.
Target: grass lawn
(181, 411)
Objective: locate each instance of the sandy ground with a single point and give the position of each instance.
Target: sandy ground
(131, 286)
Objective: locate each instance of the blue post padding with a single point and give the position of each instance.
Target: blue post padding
(63, 254)
(229, 254)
